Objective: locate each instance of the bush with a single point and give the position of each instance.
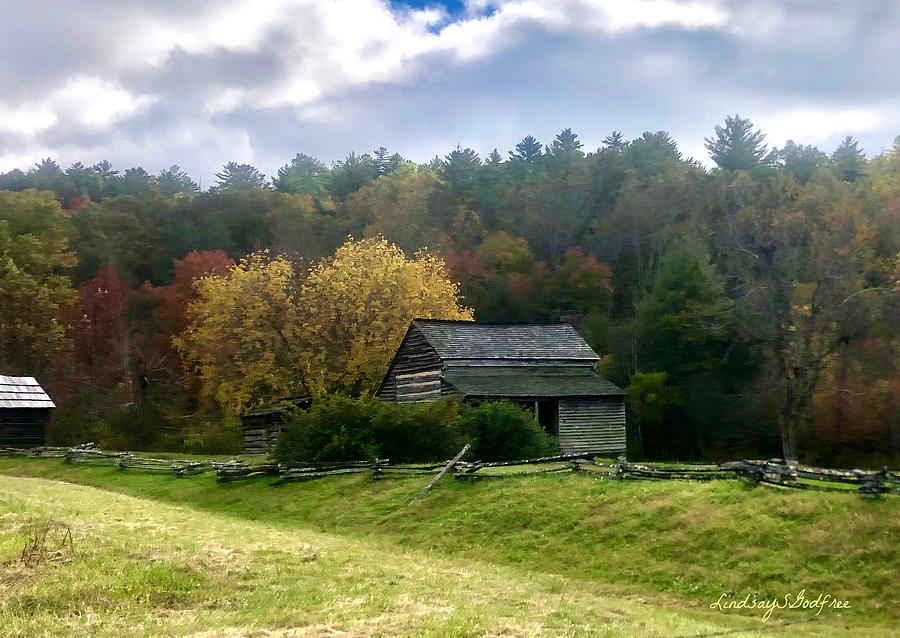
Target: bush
(338, 428)
(334, 428)
(420, 432)
(504, 431)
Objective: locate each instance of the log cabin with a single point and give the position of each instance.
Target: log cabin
(24, 412)
(547, 368)
(261, 427)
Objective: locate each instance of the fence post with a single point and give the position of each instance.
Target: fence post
(440, 474)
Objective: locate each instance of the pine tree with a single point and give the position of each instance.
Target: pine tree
(848, 160)
(736, 146)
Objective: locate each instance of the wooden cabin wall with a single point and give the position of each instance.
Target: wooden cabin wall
(260, 433)
(592, 424)
(23, 427)
(415, 356)
(418, 386)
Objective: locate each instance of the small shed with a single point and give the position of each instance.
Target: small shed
(548, 368)
(24, 412)
(261, 427)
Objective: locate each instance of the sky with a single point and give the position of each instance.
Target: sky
(198, 84)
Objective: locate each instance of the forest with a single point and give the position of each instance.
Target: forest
(749, 309)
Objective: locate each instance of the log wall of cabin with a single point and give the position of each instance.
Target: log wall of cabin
(415, 356)
(260, 433)
(592, 425)
(23, 427)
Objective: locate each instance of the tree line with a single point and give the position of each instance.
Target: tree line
(747, 309)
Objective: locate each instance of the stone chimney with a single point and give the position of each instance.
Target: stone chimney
(573, 318)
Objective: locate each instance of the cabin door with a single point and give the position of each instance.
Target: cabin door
(548, 415)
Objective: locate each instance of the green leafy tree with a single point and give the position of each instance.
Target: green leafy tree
(34, 256)
(802, 161)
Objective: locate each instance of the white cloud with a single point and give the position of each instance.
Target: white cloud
(95, 103)
(26, 119)
(337, 46)
(87, 102)
(819, 124)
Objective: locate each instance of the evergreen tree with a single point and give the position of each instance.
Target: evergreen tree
(651, 152)
(15, 180)
(736, 146)
(304, 174)
(566, 144)
(615, 141)
(239, 177)
(353, 173)
(848, 160)
(173, 180)
(460, 169)
(528, 151)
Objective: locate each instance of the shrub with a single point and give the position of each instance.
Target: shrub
(420, 432)
(504, 431)
(334, 428)
(338, 428)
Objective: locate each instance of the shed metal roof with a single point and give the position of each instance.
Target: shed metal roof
(471, 340)
(526, 382)
(23, 392)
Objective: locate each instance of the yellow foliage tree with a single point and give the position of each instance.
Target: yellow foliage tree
(256, 334)
(243, 338)
(358, 305)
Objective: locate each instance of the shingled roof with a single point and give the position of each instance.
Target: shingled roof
(23, 392)
(526, 382)
(471, 340)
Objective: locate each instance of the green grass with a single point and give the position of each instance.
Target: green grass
(580, 550)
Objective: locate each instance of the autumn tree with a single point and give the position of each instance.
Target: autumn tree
(800, 261)
(243, 341)
(177, 296)
(357, 306)
(394, 206)
(34, 255)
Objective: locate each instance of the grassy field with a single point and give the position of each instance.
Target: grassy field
(549, 555)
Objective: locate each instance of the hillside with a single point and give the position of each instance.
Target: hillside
(545, 555)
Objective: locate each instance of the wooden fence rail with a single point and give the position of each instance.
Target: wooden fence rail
(773, 472)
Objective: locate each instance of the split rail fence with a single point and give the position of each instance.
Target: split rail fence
(774, 472)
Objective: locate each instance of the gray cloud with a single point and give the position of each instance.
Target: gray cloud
(156, 85)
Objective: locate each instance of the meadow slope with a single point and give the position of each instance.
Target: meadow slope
(551, 555)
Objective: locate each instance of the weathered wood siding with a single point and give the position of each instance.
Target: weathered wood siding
(260, 433)
(592, 424)
(414, 356)
(418, 386)
(23, 427)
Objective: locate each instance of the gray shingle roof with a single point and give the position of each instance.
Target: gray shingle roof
(471, 340)
(23, 392)
(528, 382)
